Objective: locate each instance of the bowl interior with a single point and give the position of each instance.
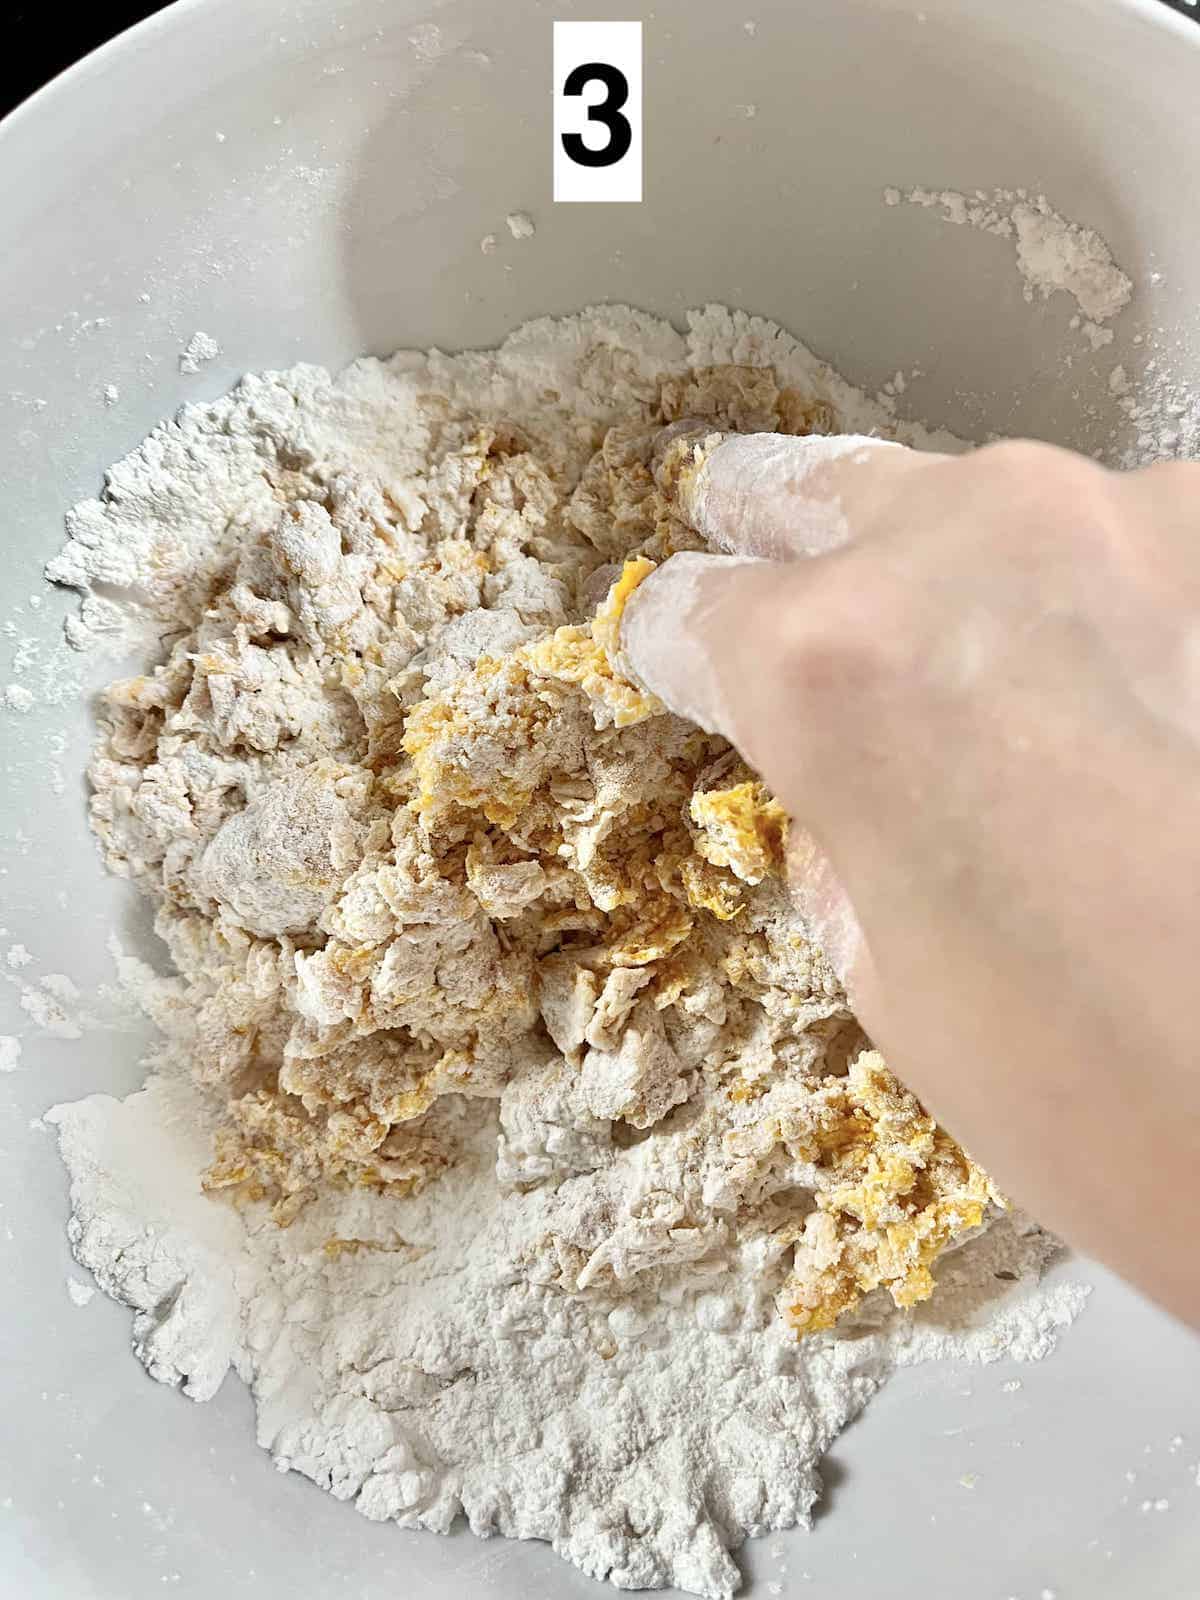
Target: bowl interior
(314, 182)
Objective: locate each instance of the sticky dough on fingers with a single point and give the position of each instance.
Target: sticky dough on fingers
(773, 496)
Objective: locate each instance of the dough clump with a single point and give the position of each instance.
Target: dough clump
(414, 837)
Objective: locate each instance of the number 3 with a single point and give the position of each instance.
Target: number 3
(620, 135)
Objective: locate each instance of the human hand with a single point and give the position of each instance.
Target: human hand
(979, 698)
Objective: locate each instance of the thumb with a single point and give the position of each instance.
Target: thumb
(715, 636)
(702, 633)
(682, 629)
(707, 633)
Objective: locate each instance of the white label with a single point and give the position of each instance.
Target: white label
(597, 111)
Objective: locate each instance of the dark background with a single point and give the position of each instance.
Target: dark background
(41, 40)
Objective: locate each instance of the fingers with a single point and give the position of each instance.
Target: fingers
(829, 918)
(778, 497)
(714, 636)
(681, 633)
(697, 632)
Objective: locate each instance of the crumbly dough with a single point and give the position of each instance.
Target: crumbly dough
(414, 836)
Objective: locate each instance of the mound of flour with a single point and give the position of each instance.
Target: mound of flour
(429, 1355)
(400, 1358)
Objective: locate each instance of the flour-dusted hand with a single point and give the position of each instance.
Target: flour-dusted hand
(975, 684)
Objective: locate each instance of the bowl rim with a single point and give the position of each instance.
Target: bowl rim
(1157, 13)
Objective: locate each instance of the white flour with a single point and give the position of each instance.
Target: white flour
(201, 348)
(18, 698)
(569, 1329)
(1053, 254)
(416, 1372)
(50, 1009)
(1164, 412)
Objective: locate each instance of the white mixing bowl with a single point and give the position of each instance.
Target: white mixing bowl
(312, 180)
